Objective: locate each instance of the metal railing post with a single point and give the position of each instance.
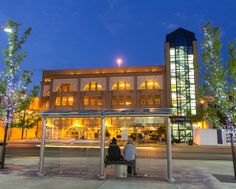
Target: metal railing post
(102, 148)
(169, 152)
(42, 148)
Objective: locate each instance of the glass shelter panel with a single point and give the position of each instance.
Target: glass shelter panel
(72, 144)
(66, 150)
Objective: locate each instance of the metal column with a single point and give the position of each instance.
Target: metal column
(102, 148)
(41, 161)
(169, 151)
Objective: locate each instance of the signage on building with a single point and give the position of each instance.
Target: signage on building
(179, 119)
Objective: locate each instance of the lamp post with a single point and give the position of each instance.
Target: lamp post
(6, 29)
(119, 61)
(202, 102)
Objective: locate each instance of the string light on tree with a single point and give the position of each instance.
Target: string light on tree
(13, 81)
(220, 79)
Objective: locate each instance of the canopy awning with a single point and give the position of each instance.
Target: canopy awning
(103, 114)
(142, 112)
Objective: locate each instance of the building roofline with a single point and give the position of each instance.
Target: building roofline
(179, 33)
(111, 70)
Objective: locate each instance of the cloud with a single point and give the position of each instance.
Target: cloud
(171, 26)
(180, 15)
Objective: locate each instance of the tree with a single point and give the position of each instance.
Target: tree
(24, 117)
(13, 82)
(196, 117)
(219, 83)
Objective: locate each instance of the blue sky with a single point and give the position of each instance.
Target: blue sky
(93, 33)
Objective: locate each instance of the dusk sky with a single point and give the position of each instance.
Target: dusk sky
(93, 33)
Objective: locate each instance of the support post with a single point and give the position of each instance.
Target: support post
(41, 161)
(169, 151)
(102, 148)
(233, 153)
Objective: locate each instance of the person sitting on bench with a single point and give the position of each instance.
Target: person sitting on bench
(114, 153)
(130, 156)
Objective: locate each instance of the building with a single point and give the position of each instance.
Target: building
(171, 85)
(182, 77)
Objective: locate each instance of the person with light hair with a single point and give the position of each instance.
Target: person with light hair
(130, 155)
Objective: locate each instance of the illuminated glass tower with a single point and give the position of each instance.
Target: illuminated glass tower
(181, 77)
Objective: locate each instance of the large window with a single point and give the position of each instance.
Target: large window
(70, 100)
(121, 85)
(64, 101)
(150, 100)
(65, 87)
(121, 100)
(93, 100)
(86, 100)
(99, 100)
(149, 85)
(58, 101)
(93, 86)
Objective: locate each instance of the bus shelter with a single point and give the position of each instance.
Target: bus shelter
(113, 113)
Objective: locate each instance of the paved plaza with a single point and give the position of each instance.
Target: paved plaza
(82, 173)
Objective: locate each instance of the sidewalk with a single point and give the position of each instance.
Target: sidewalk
(95, 143)
(81, 173)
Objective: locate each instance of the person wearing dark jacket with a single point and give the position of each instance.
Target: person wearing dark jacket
(114, 153)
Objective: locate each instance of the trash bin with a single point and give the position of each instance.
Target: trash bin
(190, 142)
(121, 171)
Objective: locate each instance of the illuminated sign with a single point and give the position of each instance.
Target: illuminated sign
(179, 119)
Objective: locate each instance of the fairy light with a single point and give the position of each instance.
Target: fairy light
(14, 84)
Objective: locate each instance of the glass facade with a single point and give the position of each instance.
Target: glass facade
(182, 80)
(183, 95)
(145, 129)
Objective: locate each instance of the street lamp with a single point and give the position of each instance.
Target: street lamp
(119, 61)
(202, 102)
(6, 29)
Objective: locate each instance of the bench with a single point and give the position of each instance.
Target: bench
(120, 167)
(119, 162)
